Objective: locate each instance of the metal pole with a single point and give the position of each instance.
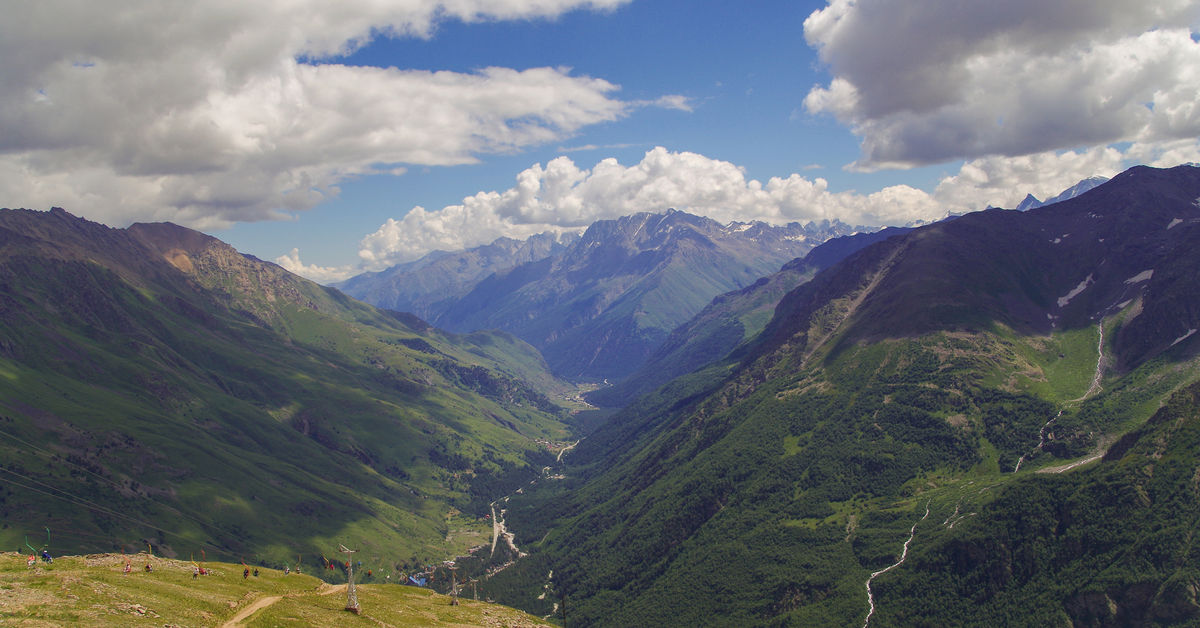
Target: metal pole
(351, 595)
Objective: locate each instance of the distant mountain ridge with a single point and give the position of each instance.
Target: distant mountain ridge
(600, 308)
(599, 305)
(425, 286)
(731, 319)
(1031, 202)
(1060, 266)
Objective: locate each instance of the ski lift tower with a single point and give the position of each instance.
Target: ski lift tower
(351, 595)
(453, 586)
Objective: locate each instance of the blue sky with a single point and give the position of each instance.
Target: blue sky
(745, 73)
(307, 133)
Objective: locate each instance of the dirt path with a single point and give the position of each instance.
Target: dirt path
(565, 450)
(253, 608)
(497, 528)
(330, 589)
(263, 602)
(1068, 467)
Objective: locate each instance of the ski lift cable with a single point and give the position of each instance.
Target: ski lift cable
(48, 455)
(175, 509)
(75, 498)
(68, 497)
(78, 499)
(51, 453)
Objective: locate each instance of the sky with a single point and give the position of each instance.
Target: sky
(336, 138)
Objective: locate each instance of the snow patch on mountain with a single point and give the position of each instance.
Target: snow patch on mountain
(1183, 337)
(1031, 202)
(1083, 285)
(1174, 222)
(1145, 275)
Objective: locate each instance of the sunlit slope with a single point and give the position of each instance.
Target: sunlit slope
(93, 590)
(157, 386)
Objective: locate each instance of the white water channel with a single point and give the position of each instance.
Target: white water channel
(955, 518)
(1092, 390)
(903, 555)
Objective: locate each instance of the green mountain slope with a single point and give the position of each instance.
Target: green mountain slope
(729, 320)
(599, 308)
(901, 387)
(1112, 544)
(156, 386)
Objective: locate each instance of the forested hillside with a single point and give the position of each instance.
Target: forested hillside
(896, 393)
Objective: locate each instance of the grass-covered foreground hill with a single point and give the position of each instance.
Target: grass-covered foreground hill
(949, 427)
(94, 590)
(158, 388)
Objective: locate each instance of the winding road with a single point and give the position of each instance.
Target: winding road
(499, 530)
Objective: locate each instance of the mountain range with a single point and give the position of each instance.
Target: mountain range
(992, 419)
(1031, 202)
(427, 286)
(1006, 399)
(599, 306)
(729, 320)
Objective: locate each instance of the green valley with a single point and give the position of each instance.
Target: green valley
(158, 388)
(876, 427)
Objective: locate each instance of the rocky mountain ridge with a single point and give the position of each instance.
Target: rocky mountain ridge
(601, 306)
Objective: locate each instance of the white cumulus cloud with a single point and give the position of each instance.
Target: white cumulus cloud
(212, 113)
(561, 196)
(929, 82)
(320, 274)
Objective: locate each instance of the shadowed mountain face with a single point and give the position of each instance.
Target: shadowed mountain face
(1063, 266)
(599, 309)
(157, 385)
(915, 390)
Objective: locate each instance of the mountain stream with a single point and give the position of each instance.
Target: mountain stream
(956, 517)
(903, 555)
(1092, 390)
